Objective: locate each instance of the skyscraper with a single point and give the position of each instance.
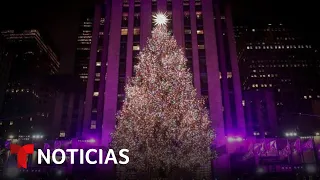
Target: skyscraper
(4, 67)
(28, 99)
(68, 108)
(277, 57)
(203, 28)
(82, 54)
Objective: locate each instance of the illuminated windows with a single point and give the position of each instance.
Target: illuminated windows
(229, 75)
(201, 46)
(136, 48)
(136, 31)
(199, 31)
(62, 134)
(124, 31)
(95, 93)
(93, 125)
(187, 31)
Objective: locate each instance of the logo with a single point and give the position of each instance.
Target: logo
(60, 156)
(22, 153)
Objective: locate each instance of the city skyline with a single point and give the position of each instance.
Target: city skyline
(59, 20)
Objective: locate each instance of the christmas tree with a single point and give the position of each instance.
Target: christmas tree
(163, 122)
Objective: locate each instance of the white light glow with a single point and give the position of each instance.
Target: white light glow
(290, 134)
(160, 19)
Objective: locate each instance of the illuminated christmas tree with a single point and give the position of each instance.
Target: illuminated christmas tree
(163, 122)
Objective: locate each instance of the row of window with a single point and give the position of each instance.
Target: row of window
(279, 47)
(278, 60)
(279, 65)
(264, 75)
(188, 31)
(124, 31)
(310, 97)
(261, 85)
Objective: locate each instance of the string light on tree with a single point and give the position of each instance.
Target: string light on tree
(163, 122)
(160, 19)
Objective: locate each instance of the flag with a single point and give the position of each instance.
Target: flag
(257, 148)
(308, 144)
(285, 152)
(297, 146)
(263, 148)
(250, 152)
(273, 145)
(46, 146)
(7, 145)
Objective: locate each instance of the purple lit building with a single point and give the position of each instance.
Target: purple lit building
(206, 33)
(204, 28)
(260, 113)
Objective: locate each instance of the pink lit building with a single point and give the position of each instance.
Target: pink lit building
(203, 27)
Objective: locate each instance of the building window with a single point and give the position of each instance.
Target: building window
(101, 21)
(200, 46)
(11, 123)
(187, 31)
(62, 134)
(199, 14)
(243, 103)
(136, 31)
(95, 93)
(229, 75)
(124, 31)
(136, 48)
(93, 125)
(199, 31)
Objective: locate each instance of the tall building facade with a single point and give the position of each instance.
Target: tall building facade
(203, 28)
(4, 67)
(28, 98)
(260, 112)
(82, 55)
(68, 107)
(277, 57)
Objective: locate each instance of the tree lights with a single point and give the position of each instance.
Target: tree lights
(162, 121)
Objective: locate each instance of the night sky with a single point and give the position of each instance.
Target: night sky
(59, 19)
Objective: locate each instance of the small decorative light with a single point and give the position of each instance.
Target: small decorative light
(91, 140)
(291, 134)
(235, 139)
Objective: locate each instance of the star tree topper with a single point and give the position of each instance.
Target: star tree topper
(160, 19)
